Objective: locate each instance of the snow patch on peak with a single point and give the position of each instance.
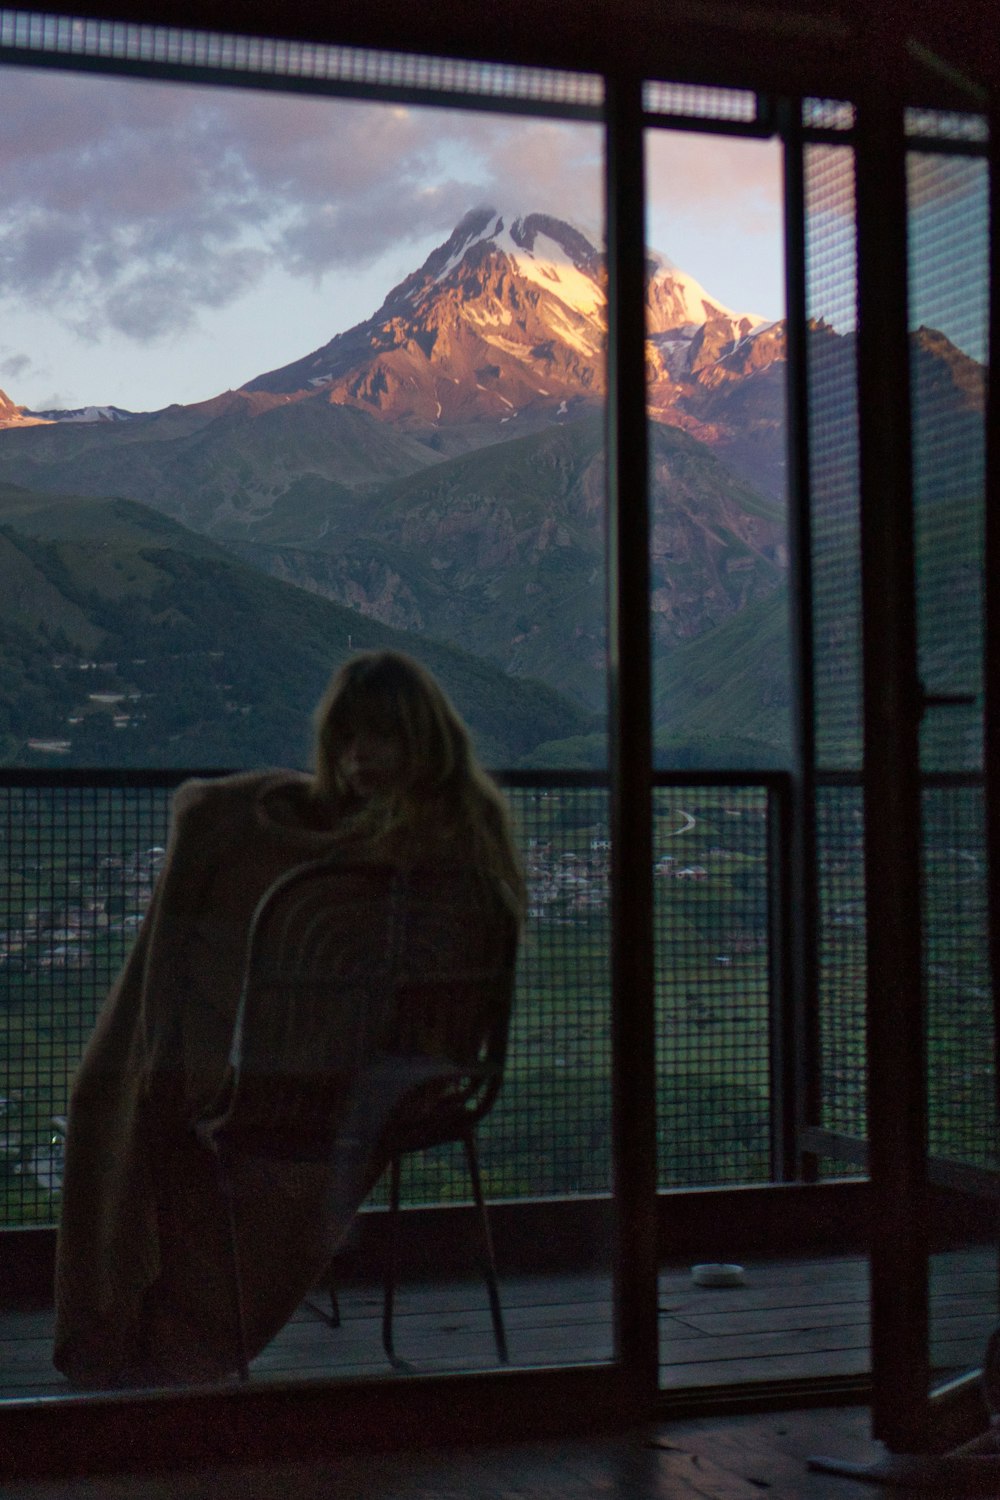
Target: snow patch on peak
(549, 266)
(567, 261)
(84, 414)
(690, 305)
(546, 251)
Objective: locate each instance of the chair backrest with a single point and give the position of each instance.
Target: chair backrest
(364, 986)
(453, 994)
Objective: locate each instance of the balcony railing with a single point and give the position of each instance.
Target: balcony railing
(81, 851)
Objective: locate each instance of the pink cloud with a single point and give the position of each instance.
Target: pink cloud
(114, 190)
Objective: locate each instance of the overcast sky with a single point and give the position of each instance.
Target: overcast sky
(162, 243)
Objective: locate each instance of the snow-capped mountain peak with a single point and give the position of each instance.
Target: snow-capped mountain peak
(505, 320)
(676, 301)
(558, 257)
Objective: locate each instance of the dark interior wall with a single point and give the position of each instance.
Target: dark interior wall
(829, 46)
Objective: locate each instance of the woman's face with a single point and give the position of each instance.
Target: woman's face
(370, 762)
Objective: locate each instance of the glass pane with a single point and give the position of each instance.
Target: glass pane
(949, 284)
(716, 402)
(341, 363)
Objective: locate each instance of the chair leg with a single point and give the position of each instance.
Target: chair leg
(489, 1257)
(236, 1277)
(392, 1271)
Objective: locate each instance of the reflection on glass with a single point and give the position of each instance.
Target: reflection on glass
(200, 341)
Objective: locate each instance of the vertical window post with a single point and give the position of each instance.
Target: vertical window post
(897, 1123)
(633, 1024)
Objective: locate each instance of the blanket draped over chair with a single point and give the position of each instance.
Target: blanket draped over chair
(141, 1290)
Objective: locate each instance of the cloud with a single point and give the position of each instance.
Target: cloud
(131, 206)
(12, 366)
(717, 180)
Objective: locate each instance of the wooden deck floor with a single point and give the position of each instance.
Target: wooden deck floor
(744, 1457)
(791, 1319)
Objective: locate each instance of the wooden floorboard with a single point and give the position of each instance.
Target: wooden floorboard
(736, 1458)
(792, 1319)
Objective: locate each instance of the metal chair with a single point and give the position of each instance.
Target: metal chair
(372, 1022)
(466, 1020)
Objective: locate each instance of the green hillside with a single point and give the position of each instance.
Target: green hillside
(127, 640)
(220, 466)
(723, 699)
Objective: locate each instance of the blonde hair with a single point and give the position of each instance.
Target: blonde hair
(440, 795)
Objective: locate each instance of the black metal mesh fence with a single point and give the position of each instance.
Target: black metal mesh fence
(831, 307)
(79, 863)
(713, 975)
(841, 957)
(78, 867)
(831, 372)
(949, 281)
(550, 1130)
(948, 194)
(961, 1112)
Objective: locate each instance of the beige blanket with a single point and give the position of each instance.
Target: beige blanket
(142, 1292)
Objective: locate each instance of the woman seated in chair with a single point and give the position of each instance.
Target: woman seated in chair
(142, 1293)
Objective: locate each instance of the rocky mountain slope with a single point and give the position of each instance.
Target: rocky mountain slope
(503, 551)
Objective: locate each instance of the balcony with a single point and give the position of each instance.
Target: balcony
(82, 851)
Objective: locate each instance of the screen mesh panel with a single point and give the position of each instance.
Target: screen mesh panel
(712, 984)
(550, 1130)
(831, 308)
(961, 1112)
(949, 284)
(78, 870)
(112, 41)
(949, 290)
(699, 102)
(842, 921)
(79, 862)
(946, 125)
(827, 114)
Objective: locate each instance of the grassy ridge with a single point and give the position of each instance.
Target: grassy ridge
(724, 698)
(210, 662)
